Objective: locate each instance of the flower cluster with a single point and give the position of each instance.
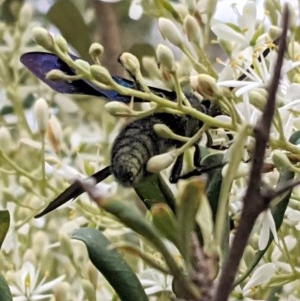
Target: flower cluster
(222, 52)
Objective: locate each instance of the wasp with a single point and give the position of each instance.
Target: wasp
(137, 142)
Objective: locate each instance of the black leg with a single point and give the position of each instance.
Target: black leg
(199, 171)
(209, 142)
(197, 156)
(176, 169)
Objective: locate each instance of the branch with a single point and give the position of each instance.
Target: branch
(254, 201)
(274, 193)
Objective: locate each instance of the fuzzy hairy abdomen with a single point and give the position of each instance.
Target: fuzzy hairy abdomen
(133, 147)
(138, 142)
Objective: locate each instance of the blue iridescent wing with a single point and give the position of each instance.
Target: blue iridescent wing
(40, 63)
(73, 191)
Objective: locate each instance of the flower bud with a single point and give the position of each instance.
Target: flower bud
(280, 159)
(191, 5)
(191, 28)
(41, 241)
(96, 51)
(160, 162)
(205, 85)
(26, 183)
(294, 50)
(62, 291)
(272, 13)
(227, 47)
(56, 74)
(151, 67)
(163, 131)
(43, 38)
(170, 32)
(102, 75)
(54, 133)
(249, 254)
(130, 63)
(25, 16)
(88, 289)
(5, 140)
(274, 32)
(258, 99)
(81, 64)
(29, 255)
(117, 108)
(210, 8)
(23, 212)
(182, 10)
(61, 43)
(165, 57)
(40, 111)
(65, 243)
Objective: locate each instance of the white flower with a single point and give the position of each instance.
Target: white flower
(288, 94)
(155, 282)
(239, 29)
(293, 217)
(260, 276)
(290, 242)
(267, 226)
(27, 284)
(228, 10)
(245, 296)
(16, 229)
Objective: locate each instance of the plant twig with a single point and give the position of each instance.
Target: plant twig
(254, 201)
(273, 193)
(204, 270)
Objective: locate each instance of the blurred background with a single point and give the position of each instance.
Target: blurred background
(117, 25)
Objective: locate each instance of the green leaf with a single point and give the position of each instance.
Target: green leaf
(295, 138)
(164, 220)
(188, 205)
(111, 264)
(66, 17)
(213, 188)
(130, 216)
(4, 225)
(214, 180)
(155, 190)
(5, 294)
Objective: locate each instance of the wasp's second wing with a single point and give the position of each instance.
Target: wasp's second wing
(73, 191)
(40, 63)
